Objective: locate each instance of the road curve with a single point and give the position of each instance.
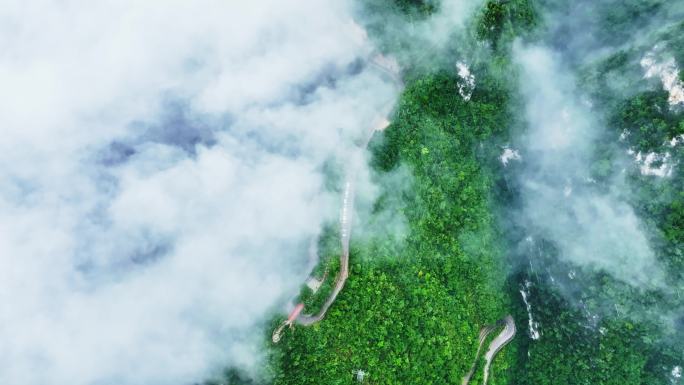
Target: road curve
(484, 332)
(495, 346)
(346, 216)
(345, 230)
(389, 67)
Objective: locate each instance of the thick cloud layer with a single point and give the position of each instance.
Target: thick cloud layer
(160, 177)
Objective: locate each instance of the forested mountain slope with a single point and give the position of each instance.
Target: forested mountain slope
(592, 305)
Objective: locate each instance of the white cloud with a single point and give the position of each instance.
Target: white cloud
(160, 170)
(467, 84)
(509, 154)
(590, 227)
(655, 65)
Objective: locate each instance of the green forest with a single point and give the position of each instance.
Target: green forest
(413, 306)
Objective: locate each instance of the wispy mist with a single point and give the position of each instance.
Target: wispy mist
(162, 176)
(591, 225)
(419, 39)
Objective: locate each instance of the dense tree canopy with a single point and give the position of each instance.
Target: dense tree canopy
(412, 308)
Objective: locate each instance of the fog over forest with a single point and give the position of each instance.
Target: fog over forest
(334, 192)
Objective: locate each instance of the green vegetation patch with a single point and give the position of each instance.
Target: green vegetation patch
(413, 315)
(502, 21)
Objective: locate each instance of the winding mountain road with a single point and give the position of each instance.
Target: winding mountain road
(495, 346)
(389, 67)
(345, 230)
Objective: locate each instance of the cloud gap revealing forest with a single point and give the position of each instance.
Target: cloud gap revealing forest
(543, 140)
(292, 192)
